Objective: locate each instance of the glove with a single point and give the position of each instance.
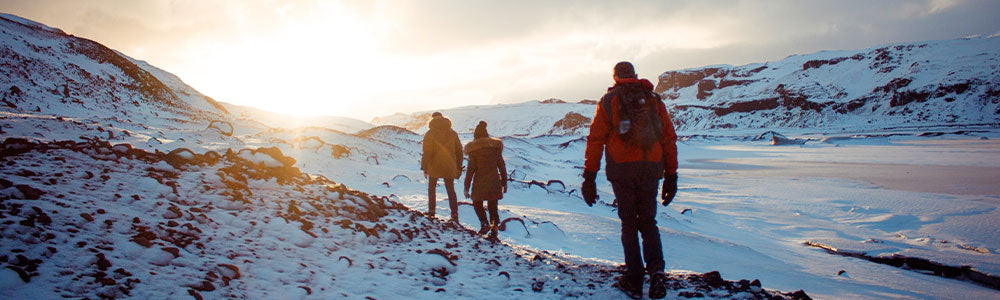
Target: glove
(589, 188)
(669, 188)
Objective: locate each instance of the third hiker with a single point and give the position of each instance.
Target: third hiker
(488, 175)
(633, 131)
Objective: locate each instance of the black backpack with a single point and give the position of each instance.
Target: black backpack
(639, 125)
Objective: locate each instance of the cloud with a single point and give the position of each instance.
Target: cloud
(405, 55)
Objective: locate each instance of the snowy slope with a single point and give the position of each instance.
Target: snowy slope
(48, 71)
(925, 83)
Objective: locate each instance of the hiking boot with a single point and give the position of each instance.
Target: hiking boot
(493, 234)
(631, 288)
(657, 285)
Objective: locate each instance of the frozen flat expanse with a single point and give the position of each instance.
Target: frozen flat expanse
(754, 205)
(943, 166)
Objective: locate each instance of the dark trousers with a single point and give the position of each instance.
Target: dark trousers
(449, 185)
(637, 210)
(494, 219)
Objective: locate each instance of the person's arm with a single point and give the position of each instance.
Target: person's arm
(599, 129)
(459, 156)
(669, 142)
(502, 166)
(423, 156)
(469, 173)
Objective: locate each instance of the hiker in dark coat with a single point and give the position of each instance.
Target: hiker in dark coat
(487, 174)
(442, 158)
(633, 131)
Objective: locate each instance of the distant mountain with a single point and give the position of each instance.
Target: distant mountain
(934, 83)
(251, 114)
(953, 82)
(531, 118)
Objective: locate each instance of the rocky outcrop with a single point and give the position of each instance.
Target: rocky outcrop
(571, 123)
(941, 82)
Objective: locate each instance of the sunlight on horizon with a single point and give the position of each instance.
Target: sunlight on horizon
(365, 59)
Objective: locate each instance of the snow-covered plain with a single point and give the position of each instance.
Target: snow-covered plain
(174, 221)
(753, 206)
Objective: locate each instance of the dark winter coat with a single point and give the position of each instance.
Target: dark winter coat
(442, 156)
(486, 172)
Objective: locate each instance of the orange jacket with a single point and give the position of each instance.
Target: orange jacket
(625, 161)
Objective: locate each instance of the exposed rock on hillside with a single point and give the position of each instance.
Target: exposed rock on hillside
(92, 220)
(931, 83)
(572, 123)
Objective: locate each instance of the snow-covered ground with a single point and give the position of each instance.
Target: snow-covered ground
(753, 206)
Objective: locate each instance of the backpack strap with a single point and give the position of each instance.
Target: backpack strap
(606, 107)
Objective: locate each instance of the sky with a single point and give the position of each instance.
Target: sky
(364, 59)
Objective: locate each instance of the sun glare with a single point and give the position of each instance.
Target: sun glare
(319, 65)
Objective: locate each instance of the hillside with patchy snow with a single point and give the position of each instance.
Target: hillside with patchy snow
(48, 71)
(952, 82)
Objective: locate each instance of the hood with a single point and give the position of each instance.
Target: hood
(625, 81)
(438, 123)
(483, 143)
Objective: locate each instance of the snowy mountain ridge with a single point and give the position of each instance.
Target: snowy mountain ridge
(921, 84)
(951, 82)
(527, 119)
(48, 71)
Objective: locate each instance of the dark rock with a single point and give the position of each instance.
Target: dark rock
(102, 262)
(195, 294)
(225, 128)
(173, 250)
(799, 295)
(275, 153)
(571, 121)
(204, 286)
(29, 193)
(713, 279)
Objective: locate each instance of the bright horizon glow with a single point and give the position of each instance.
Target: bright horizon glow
(364, 59)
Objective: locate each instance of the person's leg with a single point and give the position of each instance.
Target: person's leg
(431, 195)
(449, 185)
(625, 193)
(494, 216)
(477, 204)
(652, 250)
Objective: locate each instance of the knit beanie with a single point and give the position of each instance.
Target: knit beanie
(480, 130)
(624, 70)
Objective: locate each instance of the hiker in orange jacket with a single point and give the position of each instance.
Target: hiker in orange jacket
(633, 131)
